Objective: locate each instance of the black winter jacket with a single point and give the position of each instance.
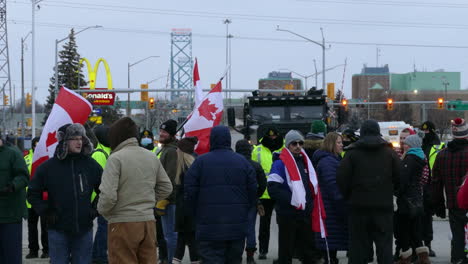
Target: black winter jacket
(410, 182)
(69, 184)
(368, 175)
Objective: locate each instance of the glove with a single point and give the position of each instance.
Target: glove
(441, 212)
(260, 209)
(161, 207)
(93, 213)
(9, 188)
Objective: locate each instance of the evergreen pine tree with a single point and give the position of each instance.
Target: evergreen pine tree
(69, 70)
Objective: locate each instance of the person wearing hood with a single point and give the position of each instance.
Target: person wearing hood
(147, 140)
(431, 146)
(101, 154)
(448, 173)
(34, 219)
(69, 179)
(132, 182)
(349, 137)
(168, 157)
(13, 180)
(271, 142)
(328, 158)
(220, 189)
(368, 177)
(410, 203)
(244, 148)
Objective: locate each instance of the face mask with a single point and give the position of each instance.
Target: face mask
(145, 141)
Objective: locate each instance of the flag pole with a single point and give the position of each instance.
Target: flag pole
(181, 126)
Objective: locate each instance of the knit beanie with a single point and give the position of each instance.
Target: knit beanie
(170, 126)
(67, 132)
(318, 127)
(102, 135)
(187, 144)
(370, 128)
(459, 128)
(244, 148)
(122, 130)
(413, 141)
(293, 136)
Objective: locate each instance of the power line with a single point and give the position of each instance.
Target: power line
(390, 3)
(247, 17)
(237, 37)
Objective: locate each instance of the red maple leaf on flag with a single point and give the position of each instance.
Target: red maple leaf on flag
(51, 139)
(207, 110)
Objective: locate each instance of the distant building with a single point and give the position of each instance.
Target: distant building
(279, 81)
(377, 84)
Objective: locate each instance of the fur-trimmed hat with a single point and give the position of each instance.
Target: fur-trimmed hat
(187, 144)
(459, 128)
(170, 126)
(121, 130)
(68, 131)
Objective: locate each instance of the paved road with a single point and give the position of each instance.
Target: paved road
(441, 245)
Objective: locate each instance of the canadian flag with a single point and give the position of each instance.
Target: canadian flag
(69, 107)
(197, 84)
(204, 117)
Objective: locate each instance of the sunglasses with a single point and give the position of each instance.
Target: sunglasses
(295, 143)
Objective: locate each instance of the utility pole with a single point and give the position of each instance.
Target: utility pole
(4, 58)
(445, 83)
(316, 75)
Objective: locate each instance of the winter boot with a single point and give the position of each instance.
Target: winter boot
(423, 255)
(250, 255)
(432, 254)
(405, 257)
(32, 254)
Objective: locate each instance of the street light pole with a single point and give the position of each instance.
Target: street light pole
(316, 75)
(33, 66)
(129, 65)
(23, 110)
(56, 56)
(322, 45)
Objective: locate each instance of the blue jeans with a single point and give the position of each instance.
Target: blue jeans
(168, 224)
(100, 241)
(11, 238)
(221, 252)
(64, 247)
(252, 218)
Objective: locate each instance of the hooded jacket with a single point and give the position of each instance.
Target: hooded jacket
(448, 173)
(132, 182)
(369, 173)
(220, 188)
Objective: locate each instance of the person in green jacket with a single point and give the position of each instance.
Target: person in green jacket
(271, 142)
(14, 178)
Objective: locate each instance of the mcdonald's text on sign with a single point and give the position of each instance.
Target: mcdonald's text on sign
(100, 98)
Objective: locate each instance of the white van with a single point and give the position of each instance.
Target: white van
(391, 131)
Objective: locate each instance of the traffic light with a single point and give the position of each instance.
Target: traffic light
(151, 103)
(390, 104)
(440, 103)
(6, 100)
(344, 103)
(28, 99)
(331, 91)
(144, 95)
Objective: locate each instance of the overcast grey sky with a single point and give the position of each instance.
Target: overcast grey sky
(133, 30)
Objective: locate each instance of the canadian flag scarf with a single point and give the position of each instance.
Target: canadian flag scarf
(298, 198)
